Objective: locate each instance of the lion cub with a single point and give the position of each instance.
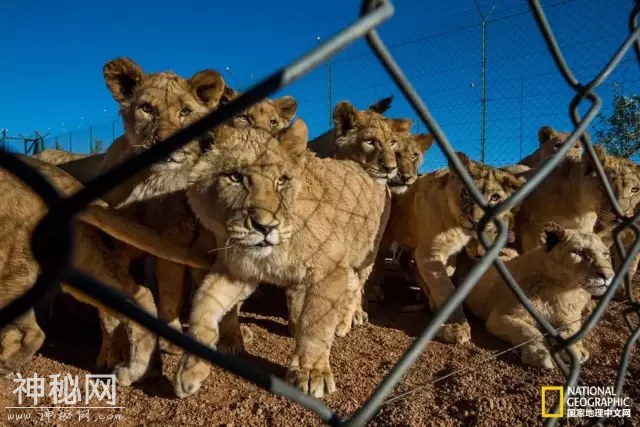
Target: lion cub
(558, 277)
(550, 141)
(436, 218)
(289, 218)
(20, 213)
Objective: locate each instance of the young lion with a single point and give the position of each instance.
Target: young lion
(289, 218)
(550, 142)
(366, 137)
(20, 212)
(558, 277)
(410, 150)
(436, 218)
(573, 196)
(56, 157)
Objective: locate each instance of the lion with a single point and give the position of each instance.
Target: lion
(366, 137)
(55, 156)
(20, 212)
(156, 196)
(410, 150)
(289, 218)
(550, 142)
(558, 277)
(573, 196)
(436, 218)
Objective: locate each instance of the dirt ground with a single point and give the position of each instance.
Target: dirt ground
(455, 385)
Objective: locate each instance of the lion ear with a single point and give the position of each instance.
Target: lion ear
(294, 138)
(400, 125)
(466, 162)
(545, 133)
(551, 235)
(122, 76)
(345, 117)
(208, 86)
(601, 154)
(287, 106)
(424, 141)
(228, 95)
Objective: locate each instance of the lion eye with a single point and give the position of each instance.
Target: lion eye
(283, 180)
(634, 190)
(394, 143)
(368, 142)
(185, 112)
(146, 107)
(273, 123)
(557, 147)
(235, 177)
(495, 197)
(578, 252)
(465, 192)
(414, 156)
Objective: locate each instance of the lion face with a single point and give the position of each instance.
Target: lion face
(247, 182)
(155, 106)
(551, 141)
(367, 138)
(495, 185)
(269, 115)
(410, 150)
(624, 177)
(583, 254)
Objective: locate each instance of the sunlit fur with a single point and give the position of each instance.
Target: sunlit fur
(558, 277)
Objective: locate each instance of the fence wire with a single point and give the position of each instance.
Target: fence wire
(57, 225)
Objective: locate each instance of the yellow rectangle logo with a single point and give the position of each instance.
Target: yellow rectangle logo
(560, 390)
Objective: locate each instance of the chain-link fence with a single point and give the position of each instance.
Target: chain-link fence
(57, 225)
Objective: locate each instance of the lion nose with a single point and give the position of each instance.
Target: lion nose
(389, 169)
(261, 221)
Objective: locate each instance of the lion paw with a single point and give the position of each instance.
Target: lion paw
(580, 350)
(537, 355)
(455, 333)
(191, 374)
(168, 347)
(232, 343)
(129, 374)
(360, 317)
(312, 381)
(343, 328)
(113, 352)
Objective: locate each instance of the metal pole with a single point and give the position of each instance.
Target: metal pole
(90, 139)
(329, 94)
(483, 79)
(483, 96)
(521, 112)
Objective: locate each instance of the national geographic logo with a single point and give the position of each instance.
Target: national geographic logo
(585, 402)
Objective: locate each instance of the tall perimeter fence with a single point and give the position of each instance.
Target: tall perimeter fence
(486, 73)
(572, 102)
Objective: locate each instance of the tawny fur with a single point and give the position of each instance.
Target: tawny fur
(436, 218)
(573, 196)
(55, 157)
(550, 142)
(289, 218)
(558, 277)
(20, 213)
(364, 136)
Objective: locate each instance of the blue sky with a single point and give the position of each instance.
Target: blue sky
(52, 55)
